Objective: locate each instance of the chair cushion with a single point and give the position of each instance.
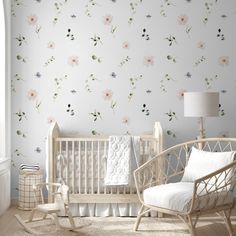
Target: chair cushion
(202, 163)
(174, 196)
(177, 196)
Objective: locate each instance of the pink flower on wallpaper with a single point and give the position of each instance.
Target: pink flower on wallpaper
(32, 94)
(73, 61)
(182, 19)
(51, 45)
(107, 19)
(180, 94)
(201, 45)
(125, 120)
(223, 60)
(126, 45)
(148, 61)
(50, 120)
(107, 94)
(32, 19)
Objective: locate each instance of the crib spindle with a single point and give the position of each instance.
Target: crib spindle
(86, 167)
(67, 162)
(105, 164)
(73, 167)
(98, 166)
(79, 164)
(92, 170)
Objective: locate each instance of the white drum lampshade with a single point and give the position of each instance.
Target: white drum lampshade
(201, 104)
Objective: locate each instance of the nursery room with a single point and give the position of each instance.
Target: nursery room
(117, 117)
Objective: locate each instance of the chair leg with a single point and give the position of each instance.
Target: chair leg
(142, 212)
(71, 220)
(226, 217)
(31, 216)
(56, 221)
(191, 226)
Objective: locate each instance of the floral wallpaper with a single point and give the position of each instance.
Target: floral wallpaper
(115, 67)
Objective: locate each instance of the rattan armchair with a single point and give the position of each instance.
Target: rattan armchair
(211, 193)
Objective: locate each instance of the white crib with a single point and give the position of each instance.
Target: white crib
(81, 163)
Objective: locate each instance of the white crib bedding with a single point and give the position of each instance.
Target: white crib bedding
(90, 174)
(104, 210)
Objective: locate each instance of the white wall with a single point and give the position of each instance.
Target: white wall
(2, 82)
(46, 79)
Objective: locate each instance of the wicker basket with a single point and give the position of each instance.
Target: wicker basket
(26, 194)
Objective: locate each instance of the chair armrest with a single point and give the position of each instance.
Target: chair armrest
(148, 175)
(215, 188)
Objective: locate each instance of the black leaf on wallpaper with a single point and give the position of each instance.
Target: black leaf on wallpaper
(148, 91)
(21, 39)
(171, 115)
(113, 75)
(70, 35)
(223, 91)
(188, 75)
(221, 110)
(148, 16)
(37, 150)
(73, 16)
(220, 35)
(70, 110)
(145, 35)
(73, 91)
(145, 110)
(38, 75)
(96, 39)
(95, 115)
(21, 115)
(171, 39)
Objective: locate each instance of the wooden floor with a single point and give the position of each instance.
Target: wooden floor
(100, 226)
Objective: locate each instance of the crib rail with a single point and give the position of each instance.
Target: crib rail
(81, 163)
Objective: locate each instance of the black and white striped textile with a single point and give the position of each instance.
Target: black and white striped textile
(29, 167)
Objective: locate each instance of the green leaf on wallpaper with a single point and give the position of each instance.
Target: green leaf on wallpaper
(49, 61)
(210, 80)
(113, 29)
(18, 153)
(38, 104)
(163, 83)
(95, 58)
(199, 61)
(20, 58)
(88, 81)
(20, 133)
(164, 7)
(124, 61)
(94, 132)
(113, 105)
(88, 7)
(171, 133)
(171, 58)
(133, 81)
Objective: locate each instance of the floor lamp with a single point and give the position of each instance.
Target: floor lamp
(201, 104)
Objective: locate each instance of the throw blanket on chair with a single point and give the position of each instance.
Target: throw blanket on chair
(123, 158)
